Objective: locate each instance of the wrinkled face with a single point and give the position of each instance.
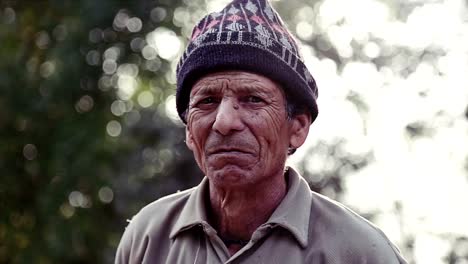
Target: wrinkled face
(238, 129)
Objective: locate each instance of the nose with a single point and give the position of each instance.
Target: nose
(228, 118)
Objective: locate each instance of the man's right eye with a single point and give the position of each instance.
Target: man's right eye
(207, 100)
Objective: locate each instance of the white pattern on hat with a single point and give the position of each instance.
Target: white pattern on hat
(234, 26)
(251, 7)
(263, 31)
(263, 36)
(233, 10)
(269, 12)
(216, 15)
(199, 39)
(285, 42)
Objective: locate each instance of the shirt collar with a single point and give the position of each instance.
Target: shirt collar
(194, 212)
(292, 214)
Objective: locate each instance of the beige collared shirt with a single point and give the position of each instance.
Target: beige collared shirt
(305, 228)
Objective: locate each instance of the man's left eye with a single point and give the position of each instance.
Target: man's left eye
(254, 99)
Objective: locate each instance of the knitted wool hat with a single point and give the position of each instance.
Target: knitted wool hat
(246, 35)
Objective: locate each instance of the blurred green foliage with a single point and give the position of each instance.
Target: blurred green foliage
(66, 184)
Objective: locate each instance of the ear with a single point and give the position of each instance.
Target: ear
(299, 129)
(188, 138)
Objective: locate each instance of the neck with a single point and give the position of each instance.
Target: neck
(237, 213)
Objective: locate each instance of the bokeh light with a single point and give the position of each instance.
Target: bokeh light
(145, 99)
(397, 92)
(165, 42)
(113, 128)
(106, 195)
(9, 15)
(85, 104)
(30, 151)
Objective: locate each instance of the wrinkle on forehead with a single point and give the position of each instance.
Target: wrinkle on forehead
(243, 81)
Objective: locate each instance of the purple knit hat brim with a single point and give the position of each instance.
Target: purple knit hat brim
(215, 58)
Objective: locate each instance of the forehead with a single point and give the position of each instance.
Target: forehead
(235, 81)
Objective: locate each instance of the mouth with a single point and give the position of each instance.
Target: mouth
(229, 150)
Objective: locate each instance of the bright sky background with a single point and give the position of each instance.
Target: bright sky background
(425, 174)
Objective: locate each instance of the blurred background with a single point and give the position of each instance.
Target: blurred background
(89, 133)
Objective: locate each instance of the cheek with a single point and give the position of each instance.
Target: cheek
(199, 130)
(270, 130)
(273, 123)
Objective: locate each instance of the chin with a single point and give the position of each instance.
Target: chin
(230, 175)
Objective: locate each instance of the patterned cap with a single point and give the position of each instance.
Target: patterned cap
(246, 35)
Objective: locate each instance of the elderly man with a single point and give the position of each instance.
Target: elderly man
(248, 101)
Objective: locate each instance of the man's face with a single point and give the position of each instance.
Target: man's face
(237, 127)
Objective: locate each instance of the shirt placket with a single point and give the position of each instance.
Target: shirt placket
(217, 244)
(258, 235)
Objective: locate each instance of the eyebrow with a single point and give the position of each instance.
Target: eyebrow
(243, 88)
(207, 89)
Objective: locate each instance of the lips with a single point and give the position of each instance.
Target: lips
(229, 150)
(236, 144)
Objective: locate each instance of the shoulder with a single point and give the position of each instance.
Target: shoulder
(342, 230)
(152, 223)
(162, 210)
